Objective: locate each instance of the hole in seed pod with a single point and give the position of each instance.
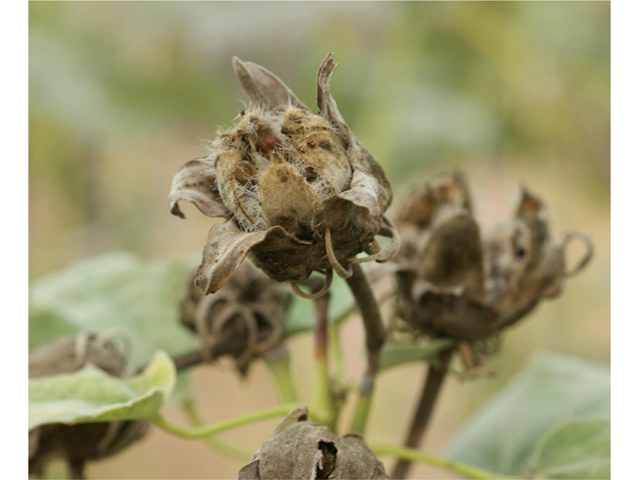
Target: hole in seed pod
(327, 463)
(310, 174)
(326, 145)
(520, 252)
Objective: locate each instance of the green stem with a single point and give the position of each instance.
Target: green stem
(208, 430)
(375, 336)
(321, 397)
(279, 363)
(215, 443)
(414, 455)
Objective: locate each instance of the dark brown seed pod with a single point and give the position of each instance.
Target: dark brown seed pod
(454, 282)
(80, 443)
(249, 305)
(282, 195)
(306, 451)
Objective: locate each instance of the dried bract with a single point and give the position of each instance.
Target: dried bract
(90, 441)
(250, 305)
(454, 282)
(299, 191)
(306, 451)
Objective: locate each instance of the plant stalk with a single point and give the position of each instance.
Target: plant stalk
(413, 455)
(278, 361)
(375, 334)
(322, 398)
(230, 346)
(433, 382)
(214, 442)
(208, 430)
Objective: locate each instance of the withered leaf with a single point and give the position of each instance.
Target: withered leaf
(196, 183)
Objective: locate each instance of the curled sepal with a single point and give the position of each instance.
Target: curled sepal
(326, 103)
(226, 248)
(263, 87)
(354, 212)
(381, 255)
(453, 256)
(196, 183)
(586, 258)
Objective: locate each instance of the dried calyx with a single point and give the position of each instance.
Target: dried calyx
(250, 305)
(300, 193)
(306, 451)
(89, 441)
(454, 282)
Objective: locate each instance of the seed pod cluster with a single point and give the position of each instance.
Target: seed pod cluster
(80, 443)
(306, 451)
(455, 282)
(250, 305)
(299, 191)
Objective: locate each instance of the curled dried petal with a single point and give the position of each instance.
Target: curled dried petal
(263, 87)
(195, 182)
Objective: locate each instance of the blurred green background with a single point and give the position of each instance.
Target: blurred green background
(122, 94)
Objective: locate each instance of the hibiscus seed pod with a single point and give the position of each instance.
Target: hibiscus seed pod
(250, 305)
(306, 451)
(80, 443)
(454, 282)
(300, 193)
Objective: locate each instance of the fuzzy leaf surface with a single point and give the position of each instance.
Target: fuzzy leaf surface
(503, 435)
(91, 395)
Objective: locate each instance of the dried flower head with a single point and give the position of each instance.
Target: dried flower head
(89, 441)
(454, 282)
(250, 305)
(299, 191)
(307, 451)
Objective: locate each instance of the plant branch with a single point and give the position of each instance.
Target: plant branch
(322, 399)
(215, 443)
(230, 346)
(208, 430)
(432, 386)
(374, 329)
(413, 455)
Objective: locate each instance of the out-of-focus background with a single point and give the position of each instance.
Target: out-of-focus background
(122, 94)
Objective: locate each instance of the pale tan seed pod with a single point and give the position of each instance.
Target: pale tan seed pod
(306, 451)
(77, 444)
(455, 282)
(300, 193)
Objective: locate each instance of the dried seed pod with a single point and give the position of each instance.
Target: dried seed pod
(304, 450)
(454, 283)
(249, 305)
(80, 443)
(299, 191)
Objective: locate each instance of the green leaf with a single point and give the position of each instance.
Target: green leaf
(91, 395)
(114, 291)
(579, 448)
(554, 388)
(399, 353)
(301, 315)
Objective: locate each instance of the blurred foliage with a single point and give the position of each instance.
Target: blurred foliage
(509, 435)
(116, 291)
